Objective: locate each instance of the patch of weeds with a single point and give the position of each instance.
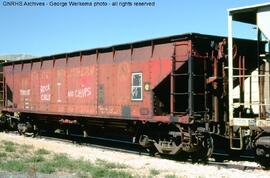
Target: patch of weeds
(82, 165)
(171, 176)
(42, 152)
(98, 171)
(154, 172)
(106, 169)
(9, 146)
(84, 168)
(110, 165)
(3, 154)
(63, 161)
(36, 158)
(47, 168)
(57, 163)
(4, 142)
(14, 165)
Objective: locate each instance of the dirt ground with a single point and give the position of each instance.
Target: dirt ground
(142, 165)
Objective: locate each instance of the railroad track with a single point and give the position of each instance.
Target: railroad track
(127, 147)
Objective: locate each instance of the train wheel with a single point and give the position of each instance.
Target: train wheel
(262, 157)
(27, 129)
(205, 151)
(208, 147)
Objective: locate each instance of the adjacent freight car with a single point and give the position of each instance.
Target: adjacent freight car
(249, 107)
(168, 94)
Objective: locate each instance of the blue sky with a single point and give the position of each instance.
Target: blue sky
(50, 30)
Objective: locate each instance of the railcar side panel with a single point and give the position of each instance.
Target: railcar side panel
(46, 76)
(160, 64)
(122, 67)
(89, 83)
(35, 86)
(100, 84)
(59, 97)
(17, 86)
(25, 92)
(9, 87)
(106, 78)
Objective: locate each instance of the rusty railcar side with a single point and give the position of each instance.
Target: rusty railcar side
(94, 83)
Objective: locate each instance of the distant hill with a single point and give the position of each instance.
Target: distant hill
(16, 57)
